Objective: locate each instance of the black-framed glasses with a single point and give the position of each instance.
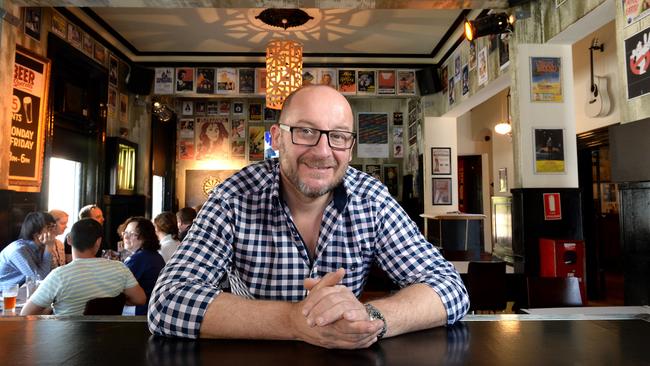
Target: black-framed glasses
(308, 136)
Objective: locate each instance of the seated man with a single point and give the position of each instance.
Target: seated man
(67, 289)
(295, 238)
(184, 217)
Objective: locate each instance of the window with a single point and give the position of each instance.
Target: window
(157, 195)
(64, 189)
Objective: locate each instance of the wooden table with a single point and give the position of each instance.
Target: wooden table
(477, 340)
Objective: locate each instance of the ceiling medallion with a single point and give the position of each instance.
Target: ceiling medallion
(284, 18)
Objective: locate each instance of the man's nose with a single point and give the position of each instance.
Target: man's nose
(323, 147)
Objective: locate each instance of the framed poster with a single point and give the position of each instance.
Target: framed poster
(441, 194)
(635, 10)
(74, 35)
(482, 66)
(246, 81)
(87, 45)
(373, 170)
(163, 81)
(637, 59)
(545, 79)
(28, 109)
(59, 26)
(99, 53)
(504, 50)
(406, 82)
(124, 108)
(113, 66)
(205, 80)
(184, 80)
(33, 23)
(347, 81)
(260, 81)
(549, 150)
(327, 77)
(391, 179)
(212, 138)
(256, 142)
(255, 112)
(440, 160)
(227, 80)
(366, 82)
(199, 184)
(373, 135)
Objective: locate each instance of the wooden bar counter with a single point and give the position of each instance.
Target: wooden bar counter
(477, 340)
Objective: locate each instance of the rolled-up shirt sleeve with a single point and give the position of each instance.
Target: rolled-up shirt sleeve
(406, 256)
(190, 280)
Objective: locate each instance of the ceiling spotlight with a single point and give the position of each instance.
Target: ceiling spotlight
(284, 18)
(490, 24)
(161, 111)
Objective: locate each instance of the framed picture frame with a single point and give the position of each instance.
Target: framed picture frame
(391, 178)
(549, 152)
(373, 170)
(441, 160)
(441, 191)
(503, 180)
(32, 23)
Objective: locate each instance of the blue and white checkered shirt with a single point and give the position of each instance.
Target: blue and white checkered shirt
(245, 234)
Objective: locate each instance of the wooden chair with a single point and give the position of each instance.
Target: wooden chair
(105, 305)
(486, 285)
(553, 292)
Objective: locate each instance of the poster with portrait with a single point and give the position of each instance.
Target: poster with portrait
(444, 77)
(545, 79)
(200, 107)
(239, 129)
(28, 106)
(327, 77)
(457, 67)
(637, 59)
(186, 129)
(260, 81)
(205, 80)
(482, 63)
(472, 55)
(184, 80)
(212, 137)
(87, 45)
(113, 70)
(398, 142)
(226, 80)
(163, 81)
(391, 179)
(441, 194)
(33, 23)
(406, 82)
(246, 81)
(398, 118)
(451, 91)
(112, 101)
(309, 76)
(549, 150)
(271, 115)
(99, 53)
(185, 149)
(366, 82)
(124, 109)
(59, 26)
(374, 170)
(74, 35)
(441, 160)
(386, 82)
(347, 81)
(373, 135)
(635, 10)
(256, 142)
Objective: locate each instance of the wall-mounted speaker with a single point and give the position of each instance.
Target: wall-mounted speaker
(140, 80)
(428, 80)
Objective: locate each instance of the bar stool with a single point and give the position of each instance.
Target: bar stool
(486, 285)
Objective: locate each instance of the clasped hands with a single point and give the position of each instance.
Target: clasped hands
(332, 317)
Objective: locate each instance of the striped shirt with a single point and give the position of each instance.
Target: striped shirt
(245, 234)
(23, 258)
(69, 287)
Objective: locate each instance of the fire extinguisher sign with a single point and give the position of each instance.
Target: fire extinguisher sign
(552, 206)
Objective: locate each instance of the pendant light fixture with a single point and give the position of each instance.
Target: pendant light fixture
(504, 127)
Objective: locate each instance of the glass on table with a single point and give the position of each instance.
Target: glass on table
(9, 294)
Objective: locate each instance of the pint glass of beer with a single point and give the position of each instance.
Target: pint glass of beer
(9, 294)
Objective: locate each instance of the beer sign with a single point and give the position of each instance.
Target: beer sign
(28, 106)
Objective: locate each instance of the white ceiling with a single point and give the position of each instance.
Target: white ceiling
(332, 31)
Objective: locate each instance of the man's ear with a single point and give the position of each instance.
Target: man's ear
(275, 137)
(352, 147)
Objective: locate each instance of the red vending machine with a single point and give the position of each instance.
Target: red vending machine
(563, 258)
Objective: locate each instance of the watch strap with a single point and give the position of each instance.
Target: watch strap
(374, 313)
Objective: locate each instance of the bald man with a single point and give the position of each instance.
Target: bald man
(295, 238)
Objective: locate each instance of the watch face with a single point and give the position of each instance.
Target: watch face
(209, 183)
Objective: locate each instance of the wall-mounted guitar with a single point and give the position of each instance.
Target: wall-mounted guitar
(598, 104)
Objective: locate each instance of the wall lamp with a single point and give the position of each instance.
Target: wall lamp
(490, 24)
(161, 111)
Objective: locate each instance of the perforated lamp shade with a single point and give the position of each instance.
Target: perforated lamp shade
(283, 71)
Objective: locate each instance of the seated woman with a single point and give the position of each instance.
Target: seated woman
(27, 255)
(167, 232)
(145, 262)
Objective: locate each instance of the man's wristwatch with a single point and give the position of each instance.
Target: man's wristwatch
(374, 313)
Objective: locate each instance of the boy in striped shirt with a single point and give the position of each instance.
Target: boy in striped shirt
(66, 289)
